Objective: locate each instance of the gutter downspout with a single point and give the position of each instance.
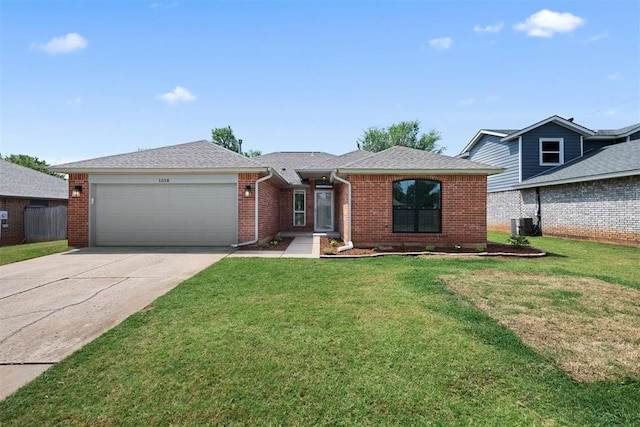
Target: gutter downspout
(264, 178)
(349, 244)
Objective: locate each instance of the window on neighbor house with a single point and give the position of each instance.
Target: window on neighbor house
(299, 211)
(417, 206)
(551, 151)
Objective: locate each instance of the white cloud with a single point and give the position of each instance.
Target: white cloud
(610, 113)
(597, 37)
(489, 28)
(75, 101)
(63, 44)
(547, 23)
(179, 94)
(466, 102)
(442, 43)
(613, 76)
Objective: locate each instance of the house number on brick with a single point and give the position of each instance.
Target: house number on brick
(163, 180)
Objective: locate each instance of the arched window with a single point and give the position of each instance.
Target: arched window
(417, 206)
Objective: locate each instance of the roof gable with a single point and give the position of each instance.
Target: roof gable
(20, 181)
(190, 156)
(555, 119)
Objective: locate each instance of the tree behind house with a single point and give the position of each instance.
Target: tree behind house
(406, 134)
(31, 163)
(224, 137)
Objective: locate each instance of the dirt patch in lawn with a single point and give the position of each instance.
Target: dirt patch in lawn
(492, 249)
(273, 245)
(587, 326)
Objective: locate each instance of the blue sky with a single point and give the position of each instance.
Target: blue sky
(88, 79)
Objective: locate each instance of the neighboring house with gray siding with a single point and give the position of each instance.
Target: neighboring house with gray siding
(572, 180)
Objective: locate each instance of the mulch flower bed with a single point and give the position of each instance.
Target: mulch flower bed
(493, 249)
(268, 246)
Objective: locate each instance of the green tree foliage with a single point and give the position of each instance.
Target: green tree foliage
(224, 137)
(252, 153)
(31, 162)
(406, 134)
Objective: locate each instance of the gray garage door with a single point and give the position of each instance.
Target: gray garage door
(164, 215)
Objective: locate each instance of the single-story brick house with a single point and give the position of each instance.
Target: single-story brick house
(200, 194)
(20, 188)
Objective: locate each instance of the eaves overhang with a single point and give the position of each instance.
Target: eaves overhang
(483, 171)
(476, 138)
(264, 170)
(573, 180)
(314, 173)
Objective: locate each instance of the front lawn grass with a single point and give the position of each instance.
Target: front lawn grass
(9, 254)
(379, 341)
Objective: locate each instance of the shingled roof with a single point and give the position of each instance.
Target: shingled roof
(198, 155)
(286, 162)
(612, 161)
(22, 182)
(403, 159)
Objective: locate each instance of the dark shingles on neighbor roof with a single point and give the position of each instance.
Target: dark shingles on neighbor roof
(619, 159)
(285, 163)
(19, 181)
(192, 155)
(617, 132)
(397, 158)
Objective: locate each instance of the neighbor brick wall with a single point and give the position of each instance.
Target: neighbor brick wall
(13, 234)
(78, 211)
(464, 203)
(603, 210)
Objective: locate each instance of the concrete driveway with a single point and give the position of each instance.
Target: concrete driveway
(53, 305)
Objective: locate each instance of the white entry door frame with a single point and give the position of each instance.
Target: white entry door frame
(323, 210)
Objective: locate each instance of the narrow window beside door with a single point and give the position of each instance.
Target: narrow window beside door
(299, 211)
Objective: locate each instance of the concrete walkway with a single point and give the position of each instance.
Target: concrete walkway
(307, 246)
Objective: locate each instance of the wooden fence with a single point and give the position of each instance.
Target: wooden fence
(45, 224)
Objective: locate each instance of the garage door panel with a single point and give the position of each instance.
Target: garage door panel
(165, 215)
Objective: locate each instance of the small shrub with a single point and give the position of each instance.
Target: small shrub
(518, 241)
(274, 242)
(263, 245)
(480, 248)
(403, 247)
(375, 249)
(328, 251)
(430, 248)
(334, 243)
(457, 248)
(277, 238)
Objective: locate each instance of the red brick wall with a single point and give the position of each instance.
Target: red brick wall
(246, 207)
(78, 213)
(269, 215)
(286, 209)
(269, 209)
(464, 211)
(341, 204)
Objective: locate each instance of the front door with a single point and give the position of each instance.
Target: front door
(324, 210)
